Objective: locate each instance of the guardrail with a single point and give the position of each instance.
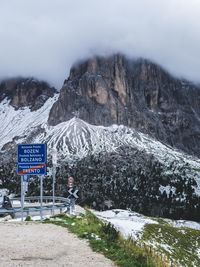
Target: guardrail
(60, 204)
(37, 199)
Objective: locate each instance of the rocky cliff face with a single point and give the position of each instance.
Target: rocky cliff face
(116, 165)
(26, 92)
(135, 93)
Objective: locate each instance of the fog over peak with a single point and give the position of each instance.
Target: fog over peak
(44, 38)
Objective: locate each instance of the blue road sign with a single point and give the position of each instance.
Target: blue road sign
(31, 153)
(25, 178)
(31, 169)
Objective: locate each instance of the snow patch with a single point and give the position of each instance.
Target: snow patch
(167, 189)
(130, 224)
(184, 223)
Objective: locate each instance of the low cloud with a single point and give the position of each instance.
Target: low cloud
(43, 38)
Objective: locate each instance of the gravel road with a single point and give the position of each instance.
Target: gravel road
(35, 244)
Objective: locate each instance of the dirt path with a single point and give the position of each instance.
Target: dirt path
(34, 244)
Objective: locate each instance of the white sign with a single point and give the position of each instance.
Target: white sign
(73, 192)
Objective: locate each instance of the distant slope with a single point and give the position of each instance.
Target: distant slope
(114, 165)
(16, 124)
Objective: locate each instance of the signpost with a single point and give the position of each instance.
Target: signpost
(70, 182)
(25, 178)
(72, 190)
(54, 162)
(22, 199)
(25, 184)
(41, 196)
(31, 159)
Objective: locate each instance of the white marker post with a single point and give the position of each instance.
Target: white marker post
(22, 198)
(54, 162)
(41, 196)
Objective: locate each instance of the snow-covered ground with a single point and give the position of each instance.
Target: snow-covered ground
(172, 240)
(184, 223)
(131, 224)
(18, 122)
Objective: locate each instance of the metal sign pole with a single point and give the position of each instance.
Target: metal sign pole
(41, 196)
(22, 199)
(54, 174)
(54, 162)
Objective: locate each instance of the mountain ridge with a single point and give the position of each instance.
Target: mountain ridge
(23, 92)
(125, 165)
(135, 93)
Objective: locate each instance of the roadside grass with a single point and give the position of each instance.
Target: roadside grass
(28, 218)
(180, 244)
(105, 239)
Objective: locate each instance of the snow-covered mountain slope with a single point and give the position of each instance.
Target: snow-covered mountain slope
(116, 164)
(19, 123)
(76, 139)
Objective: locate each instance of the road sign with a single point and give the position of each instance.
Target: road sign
(31, 159)
(26, 178)
(73, 192)
(70, 182)
(31, 169)
(31, 153)
(70, 179)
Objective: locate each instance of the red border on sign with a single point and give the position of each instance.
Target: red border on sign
(24, 171)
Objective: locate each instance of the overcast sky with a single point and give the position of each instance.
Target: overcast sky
(43, 38)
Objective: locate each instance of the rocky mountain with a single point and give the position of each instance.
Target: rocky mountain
(27, 92)
(135, 93)
(116, 125)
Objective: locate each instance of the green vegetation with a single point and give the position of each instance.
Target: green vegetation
(160, 245)
(181, 245)
(28, 218)
(105, 239)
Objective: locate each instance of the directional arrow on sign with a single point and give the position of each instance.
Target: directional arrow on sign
(73, 192)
